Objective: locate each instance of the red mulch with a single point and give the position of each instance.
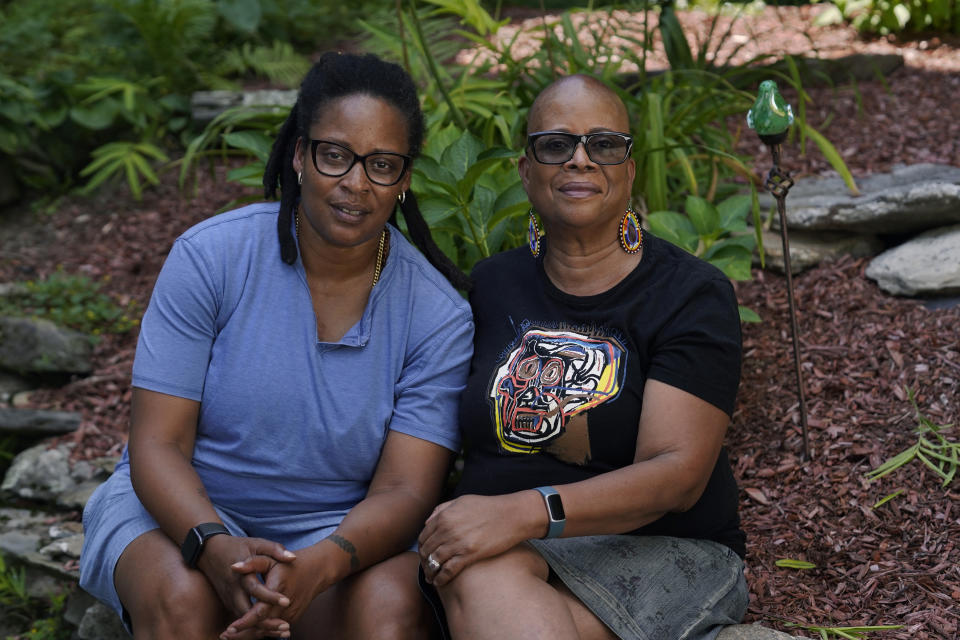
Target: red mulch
(861, 350)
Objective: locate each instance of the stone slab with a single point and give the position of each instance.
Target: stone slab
(810, 248)
(909, 199)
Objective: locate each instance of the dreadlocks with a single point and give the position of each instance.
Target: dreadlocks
(336, 76)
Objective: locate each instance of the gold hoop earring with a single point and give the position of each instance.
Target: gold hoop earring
(402, 197)
(631, 235)
(533, 234)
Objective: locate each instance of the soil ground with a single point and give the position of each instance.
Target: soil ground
(862, 350)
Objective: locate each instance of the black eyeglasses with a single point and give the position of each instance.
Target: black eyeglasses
(382, 167)
(557, 147)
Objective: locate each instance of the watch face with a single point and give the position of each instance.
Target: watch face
(191, 547)
(556, 507)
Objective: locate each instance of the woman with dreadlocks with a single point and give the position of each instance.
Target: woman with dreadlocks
(294, 403)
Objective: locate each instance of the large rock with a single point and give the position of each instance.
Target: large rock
(101, 623)
(927, 265)
(35, 345)
(43, 473)
(810, 248)
(752, 632)
(38, 422)
(207, 105)
(30, 539)
(910, 199)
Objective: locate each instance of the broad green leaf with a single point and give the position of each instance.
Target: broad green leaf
(512, 211)
(733, 212)
(245, 15)
(748, 315)
(434, 171)
(704, 216)
(733, 260)
(436, 209)
(742, 240)
(97, 116)
(256, 142)
(512, 196)
(249, 175)
(438, 141)
(465, 185)
(460, 155)
(676, 228)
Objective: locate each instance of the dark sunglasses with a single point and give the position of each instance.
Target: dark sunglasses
(382, 167)
(557, 147)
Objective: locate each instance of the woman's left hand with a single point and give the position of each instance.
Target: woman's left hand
(298, 580)
(471, 528)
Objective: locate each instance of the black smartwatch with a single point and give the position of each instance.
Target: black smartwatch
(558, 519)
(192, 547)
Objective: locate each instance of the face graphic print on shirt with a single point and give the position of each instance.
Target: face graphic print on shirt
(542, 389)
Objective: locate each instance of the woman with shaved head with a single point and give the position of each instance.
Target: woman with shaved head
(596, 499)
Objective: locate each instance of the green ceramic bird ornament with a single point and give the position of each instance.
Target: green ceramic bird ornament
(770, 116)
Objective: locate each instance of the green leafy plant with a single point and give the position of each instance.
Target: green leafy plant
(103, 86)
(718, 234)
(887, 16)
(238, 132)
(73, 301)
(470, 195)
(40, 619)
(940, 455)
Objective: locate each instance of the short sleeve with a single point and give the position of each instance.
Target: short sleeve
(434, 375)
(179, 326)
(699, 348)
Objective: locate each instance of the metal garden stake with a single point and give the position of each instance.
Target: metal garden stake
(771, 117)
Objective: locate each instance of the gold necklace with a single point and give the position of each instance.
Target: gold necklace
(380, 249)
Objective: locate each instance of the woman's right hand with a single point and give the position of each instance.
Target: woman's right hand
(235, 589)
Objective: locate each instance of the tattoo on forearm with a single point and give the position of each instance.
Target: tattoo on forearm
(347, 546)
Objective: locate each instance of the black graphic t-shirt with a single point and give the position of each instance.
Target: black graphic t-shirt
(556, 382)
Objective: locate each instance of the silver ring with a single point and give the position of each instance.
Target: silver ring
(432, 563)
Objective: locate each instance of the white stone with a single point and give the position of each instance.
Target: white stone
(929, 264)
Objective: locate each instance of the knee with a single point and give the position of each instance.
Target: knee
(184, 610)
(495, 575)
(385, 603)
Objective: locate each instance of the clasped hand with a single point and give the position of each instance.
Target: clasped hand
(299, 581)
(233, 565)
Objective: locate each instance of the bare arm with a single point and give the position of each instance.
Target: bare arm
(163, 429)
(678, 442)
(405, 487)
(162, 434)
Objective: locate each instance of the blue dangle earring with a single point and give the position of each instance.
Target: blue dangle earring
(631, 235)
(533, 234)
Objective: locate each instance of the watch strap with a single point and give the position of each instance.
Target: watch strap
(197, 538)
(555, 514)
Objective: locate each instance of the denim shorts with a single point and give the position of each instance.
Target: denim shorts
(114, 517)
(644, 587)
(652, 587)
